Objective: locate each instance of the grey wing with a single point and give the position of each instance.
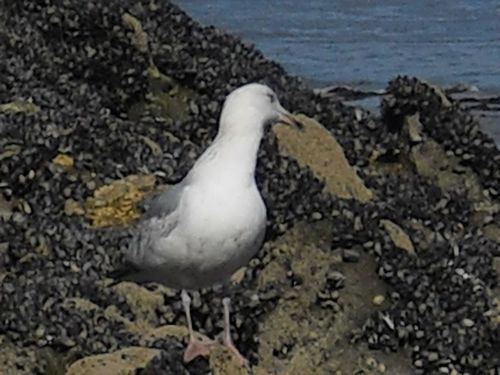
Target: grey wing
(157, 222)
(165, 202)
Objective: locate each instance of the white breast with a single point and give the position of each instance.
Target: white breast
(222, 228)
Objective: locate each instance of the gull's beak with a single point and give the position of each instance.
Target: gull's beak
(287, 118)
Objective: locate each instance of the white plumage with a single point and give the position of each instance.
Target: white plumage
(203, 229)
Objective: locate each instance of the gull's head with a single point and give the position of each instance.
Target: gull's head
(250, 108)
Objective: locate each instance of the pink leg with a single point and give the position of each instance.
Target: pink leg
(228, 342)
(196, 347)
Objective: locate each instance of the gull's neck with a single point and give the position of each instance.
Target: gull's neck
(232, 156)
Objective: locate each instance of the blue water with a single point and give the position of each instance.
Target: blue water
(366, 43)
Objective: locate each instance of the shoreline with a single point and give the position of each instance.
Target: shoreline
(485, 107)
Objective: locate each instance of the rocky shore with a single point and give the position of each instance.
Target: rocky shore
(383, 245)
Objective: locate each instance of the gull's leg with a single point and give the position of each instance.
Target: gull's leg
(228, 342)
(196, 347)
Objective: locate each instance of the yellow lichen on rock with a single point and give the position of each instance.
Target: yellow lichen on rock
(19, 106)
(315, 147)
(115, 204)
(122, 362)
(64, 161)
(139, 37)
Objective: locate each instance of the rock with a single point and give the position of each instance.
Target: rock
(169, 99)
(238, 276)
(398, 236)
(431, 161)
(178, 331)
(19, 106)
(9, 150)
(5, 208)
(315, 147)
(111, 313)
(496, 264)
(64, 161)
(295, 336)
(414, 128)
(350, 255)
(378, 300)
(155, 147)
(220, 359)
(81, 303)
(222, 362)
(72, 207)
(467, 323)
(445, 102)
(492, 231)
(115, 204)
(120, 102)
(15, 360)
(433, 356)
(424, 237)
(139, 37)
(143, 303)
(296, 247)
(125, 361)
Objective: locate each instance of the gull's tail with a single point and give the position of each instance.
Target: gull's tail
(130, 273)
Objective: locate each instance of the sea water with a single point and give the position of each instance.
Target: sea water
(365, 43)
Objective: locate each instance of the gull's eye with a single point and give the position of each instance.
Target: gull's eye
(271, 97)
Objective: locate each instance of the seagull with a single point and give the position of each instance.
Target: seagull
(201, 230)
